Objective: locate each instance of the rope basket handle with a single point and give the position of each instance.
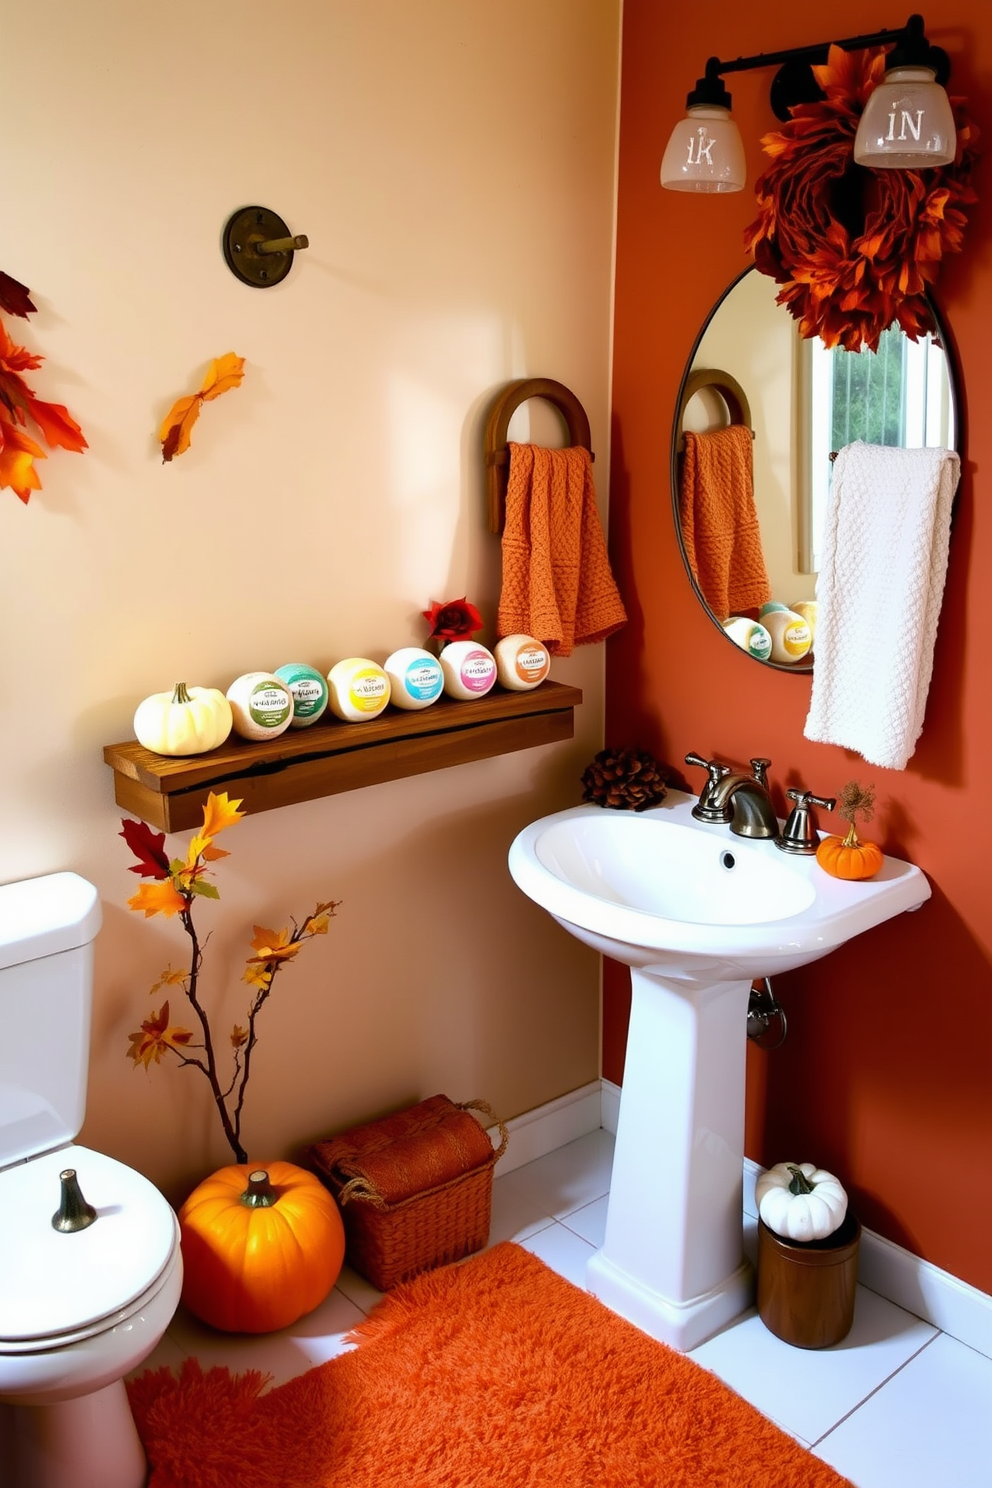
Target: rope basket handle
(487, 1110)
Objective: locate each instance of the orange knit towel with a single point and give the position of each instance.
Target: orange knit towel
(418, 1149)
(720, 529)
(557, 583)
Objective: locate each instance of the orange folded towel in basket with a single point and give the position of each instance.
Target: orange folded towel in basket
(719, 522)
(557, 582)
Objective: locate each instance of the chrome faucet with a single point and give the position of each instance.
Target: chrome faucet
(735, 797)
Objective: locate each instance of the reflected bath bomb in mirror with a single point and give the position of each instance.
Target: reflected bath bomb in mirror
(307, 689)
(415, 678)
(791, 636)
(751, 636)
(359, 689)
(521, 662)
(807, 609)
(469, 670)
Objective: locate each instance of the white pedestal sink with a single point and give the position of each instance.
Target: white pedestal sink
(697, 914)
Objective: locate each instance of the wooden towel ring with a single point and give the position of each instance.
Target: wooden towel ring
(729, 389)
(497, 450)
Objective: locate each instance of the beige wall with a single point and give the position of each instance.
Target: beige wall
(452, 164)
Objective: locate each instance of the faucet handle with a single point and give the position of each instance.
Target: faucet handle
(799, 833)
(761, 768)
(703, 809)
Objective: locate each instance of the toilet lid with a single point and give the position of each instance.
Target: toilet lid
(52, 1283)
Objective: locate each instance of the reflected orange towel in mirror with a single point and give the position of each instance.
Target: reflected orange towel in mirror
(557, 583)
(720, 529)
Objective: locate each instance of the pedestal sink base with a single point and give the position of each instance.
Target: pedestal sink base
(673, 1257)
(682, 1325)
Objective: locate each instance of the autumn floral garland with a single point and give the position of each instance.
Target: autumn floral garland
(18, 404)
(855, 250)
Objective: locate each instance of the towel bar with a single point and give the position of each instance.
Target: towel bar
(497, 450)
(729, 389)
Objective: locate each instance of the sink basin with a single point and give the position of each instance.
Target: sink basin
(697, 914)
(657, 889)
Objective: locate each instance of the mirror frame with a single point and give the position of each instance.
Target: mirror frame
(802, 669)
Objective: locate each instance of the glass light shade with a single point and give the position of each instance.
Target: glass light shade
(907, 123)
(704, 153)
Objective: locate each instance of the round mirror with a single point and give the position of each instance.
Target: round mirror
(749, 505)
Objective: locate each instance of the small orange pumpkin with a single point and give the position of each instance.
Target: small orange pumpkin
(849, 857)
(261, 1247)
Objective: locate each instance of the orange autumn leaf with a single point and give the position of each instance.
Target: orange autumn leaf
(17, 456)
(224, 373)
(160, 897)
(156, 1037)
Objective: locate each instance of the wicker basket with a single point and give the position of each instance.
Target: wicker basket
(392, 1237)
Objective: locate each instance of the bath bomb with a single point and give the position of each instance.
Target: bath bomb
(359, 689)
(770, 607)
(522, 662)
(261, 705)
(751, 636)
(808, 609)
(790, 634)
(308, 690)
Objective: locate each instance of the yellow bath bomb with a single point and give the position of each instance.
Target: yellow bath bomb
(790, 634)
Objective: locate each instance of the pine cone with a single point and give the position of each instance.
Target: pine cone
(624, 779)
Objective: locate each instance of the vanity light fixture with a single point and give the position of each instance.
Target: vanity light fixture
(907, 122)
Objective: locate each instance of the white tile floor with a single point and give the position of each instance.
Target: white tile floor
(896, 1405)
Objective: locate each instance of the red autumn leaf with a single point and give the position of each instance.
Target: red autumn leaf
(18, 404)
(147, 847)
(15, 298)
(58, 426)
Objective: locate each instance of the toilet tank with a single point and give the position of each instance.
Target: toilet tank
(47, 929)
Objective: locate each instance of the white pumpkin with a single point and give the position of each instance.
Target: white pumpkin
(800, 1202)
(187, 720)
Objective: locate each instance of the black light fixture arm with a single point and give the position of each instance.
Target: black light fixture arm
(794, 84)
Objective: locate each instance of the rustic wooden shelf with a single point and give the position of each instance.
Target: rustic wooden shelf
(331, 756)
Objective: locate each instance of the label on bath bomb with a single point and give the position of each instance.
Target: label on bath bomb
(308, 690)
(359, 689)
(750, 636)
(469, 669)
(790, 635)
(415, 677)
(261, 705)
(521, 662)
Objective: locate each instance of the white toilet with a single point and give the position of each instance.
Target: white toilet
(79, 1309)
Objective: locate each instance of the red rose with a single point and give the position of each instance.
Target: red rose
(454, 620)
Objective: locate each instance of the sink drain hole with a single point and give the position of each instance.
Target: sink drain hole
(728, 860)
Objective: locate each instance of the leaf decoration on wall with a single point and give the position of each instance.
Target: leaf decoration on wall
(18, 404)
(223, 374)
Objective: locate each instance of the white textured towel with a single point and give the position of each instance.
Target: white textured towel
(879, 594)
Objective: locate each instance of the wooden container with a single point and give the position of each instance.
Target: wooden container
(806, 1289)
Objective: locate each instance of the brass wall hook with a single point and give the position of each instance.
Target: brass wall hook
(259, 247)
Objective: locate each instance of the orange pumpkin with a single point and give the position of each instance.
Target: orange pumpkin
(849, 857)
(261, 1247)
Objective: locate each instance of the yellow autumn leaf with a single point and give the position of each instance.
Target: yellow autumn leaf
(218, 813)
(224, 373)
(160, 897)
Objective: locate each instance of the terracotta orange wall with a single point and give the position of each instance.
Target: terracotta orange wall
(886, 1076)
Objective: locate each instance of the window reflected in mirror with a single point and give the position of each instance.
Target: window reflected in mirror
(899, 395)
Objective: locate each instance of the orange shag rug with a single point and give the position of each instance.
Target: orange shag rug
(495, 1371)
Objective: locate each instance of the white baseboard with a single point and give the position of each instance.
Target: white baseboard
(538, 1132)
(939, 1298)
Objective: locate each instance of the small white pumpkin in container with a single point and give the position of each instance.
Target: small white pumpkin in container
(187, 720)
(800, 1201)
